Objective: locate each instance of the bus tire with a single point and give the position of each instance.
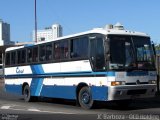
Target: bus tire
(85, 98)
(27, 94)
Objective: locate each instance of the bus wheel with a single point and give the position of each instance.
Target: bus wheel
(27, 94)
(85, 98)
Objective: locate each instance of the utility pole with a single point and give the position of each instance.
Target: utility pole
(35, 20)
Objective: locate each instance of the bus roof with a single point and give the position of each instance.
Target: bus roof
(104, 31)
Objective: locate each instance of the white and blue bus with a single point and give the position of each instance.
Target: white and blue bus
(103, 64)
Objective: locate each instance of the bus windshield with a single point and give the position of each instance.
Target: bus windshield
(130, 52)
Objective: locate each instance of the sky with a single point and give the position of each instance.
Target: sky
(80, 15)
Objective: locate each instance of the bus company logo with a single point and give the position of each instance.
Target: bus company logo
(19, 71)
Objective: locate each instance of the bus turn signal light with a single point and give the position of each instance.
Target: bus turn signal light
(115, 83)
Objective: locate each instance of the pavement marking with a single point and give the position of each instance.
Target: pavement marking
(9, 107)
(5, 107)
(33, 109)
(52, 112)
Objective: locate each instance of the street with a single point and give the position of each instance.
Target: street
(13, 107)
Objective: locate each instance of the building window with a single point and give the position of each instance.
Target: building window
(42, 38)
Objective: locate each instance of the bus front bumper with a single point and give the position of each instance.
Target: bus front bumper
(131, 92)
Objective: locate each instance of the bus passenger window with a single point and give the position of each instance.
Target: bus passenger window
(56, 50)
(49, 52)
(23, 58)
(35, 54)
(7, 59)
(29, 55)
(19, 56)
(13, 58)
(79, 47)
(42, 53)
(64, 50)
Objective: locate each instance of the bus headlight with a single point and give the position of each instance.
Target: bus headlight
(152, 81)
(116, 83)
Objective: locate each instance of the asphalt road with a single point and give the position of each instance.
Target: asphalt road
(13, 107)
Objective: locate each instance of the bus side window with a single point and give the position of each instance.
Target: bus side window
(29, 55)
(19, 56)
(7, 59)
(13, 58)
(42, 52)
(79, 47)
(64, 49)
(49, 52)
(35, 54)
(23, 56)
(56, 50)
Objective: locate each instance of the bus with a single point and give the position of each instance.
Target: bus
(102, 64)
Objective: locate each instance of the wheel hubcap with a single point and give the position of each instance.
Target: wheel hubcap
(85, 98)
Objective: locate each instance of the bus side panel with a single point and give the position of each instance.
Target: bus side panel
(99, 93)
(69, 92)
(11, 88)
(66, 92)
(14, 85)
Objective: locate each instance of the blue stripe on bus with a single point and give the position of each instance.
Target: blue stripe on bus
(36, 83)
(61, 74)
(37, 73)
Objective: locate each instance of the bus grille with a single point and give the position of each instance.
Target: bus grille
(136, 92)
(136, 83)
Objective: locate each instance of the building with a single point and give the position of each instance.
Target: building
(4, 38)
(49, 33)
(4, 43)
(5, 34)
